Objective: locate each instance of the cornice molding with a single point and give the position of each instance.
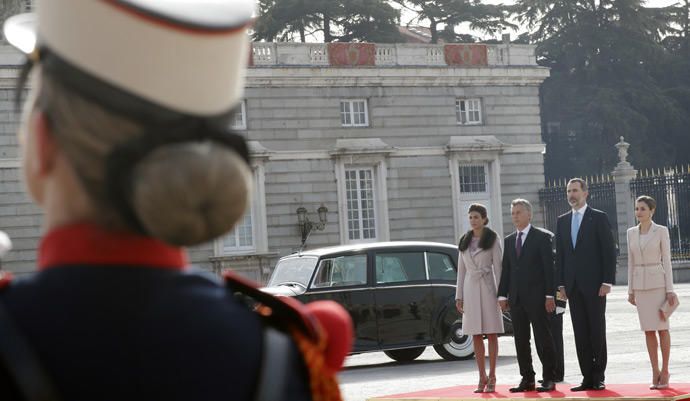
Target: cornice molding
(286, 77)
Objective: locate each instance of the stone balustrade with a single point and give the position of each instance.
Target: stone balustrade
(391, 55)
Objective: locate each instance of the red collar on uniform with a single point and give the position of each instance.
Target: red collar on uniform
(84, 243)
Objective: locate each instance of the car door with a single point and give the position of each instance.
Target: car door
(404, 299)
(441, 264)
(344, 278)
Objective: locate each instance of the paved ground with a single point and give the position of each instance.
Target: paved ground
(374, 374)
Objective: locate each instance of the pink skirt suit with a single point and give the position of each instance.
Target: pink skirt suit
(650, 275)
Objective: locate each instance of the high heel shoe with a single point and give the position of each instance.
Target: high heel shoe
(663, 384)
(491, 385)
(655, 381)
(482, 385)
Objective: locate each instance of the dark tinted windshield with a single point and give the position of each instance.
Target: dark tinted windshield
(293, 270)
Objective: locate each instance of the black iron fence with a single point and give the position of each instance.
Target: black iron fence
(671, 190)
(602, 196)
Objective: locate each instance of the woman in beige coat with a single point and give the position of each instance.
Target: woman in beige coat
(479, 270)
(650, 284)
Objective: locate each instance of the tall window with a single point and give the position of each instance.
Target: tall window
(473, 185)
(250, 233)
(361, 213)
(353, 113)
(472, 178)
(239, 117)
(468, 111)
(475, 178)
(242, 236)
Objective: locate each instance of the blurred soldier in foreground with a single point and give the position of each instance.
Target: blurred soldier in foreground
(126, 149)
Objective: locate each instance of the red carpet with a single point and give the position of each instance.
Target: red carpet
(618, 392)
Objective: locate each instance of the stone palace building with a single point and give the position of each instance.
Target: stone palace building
(388, 141)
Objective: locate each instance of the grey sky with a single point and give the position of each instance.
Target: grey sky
(407, 16)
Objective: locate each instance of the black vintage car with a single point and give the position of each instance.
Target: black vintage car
(401, 295)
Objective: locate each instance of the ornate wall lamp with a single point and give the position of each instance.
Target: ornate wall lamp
(306, 226)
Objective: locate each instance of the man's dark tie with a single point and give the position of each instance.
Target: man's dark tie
(518, 245)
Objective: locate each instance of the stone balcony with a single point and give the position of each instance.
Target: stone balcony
(288, 54)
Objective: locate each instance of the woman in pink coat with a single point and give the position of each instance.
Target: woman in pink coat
(650, 285)
(479, 270)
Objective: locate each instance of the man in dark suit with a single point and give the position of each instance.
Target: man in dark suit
(586, 266)
(528, 287)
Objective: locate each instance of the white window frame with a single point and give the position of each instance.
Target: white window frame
(360, 220)
(377, 164)
(258, 213)
(475, 101)
(229, 250)
(241, 110)
(492, 169)
(351, 113)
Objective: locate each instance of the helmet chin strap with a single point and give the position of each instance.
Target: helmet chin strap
(24, 72)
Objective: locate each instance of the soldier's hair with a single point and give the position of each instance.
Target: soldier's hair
(481, 209)
(651, 203)
(523, 202)
(582, 182)
(183, 194)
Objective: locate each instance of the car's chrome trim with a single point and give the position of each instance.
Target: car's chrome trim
(329, 290)
(426, 264)
(443, 285)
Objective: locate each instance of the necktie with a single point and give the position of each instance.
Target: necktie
(518, 244)
(575, 228)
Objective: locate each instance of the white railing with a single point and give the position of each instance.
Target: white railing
(264, 53)
(318, 54)
(401, 54)
(386, 55)
(434, 55)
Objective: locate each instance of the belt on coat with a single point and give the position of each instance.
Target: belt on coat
(647, 264)
(480, 273)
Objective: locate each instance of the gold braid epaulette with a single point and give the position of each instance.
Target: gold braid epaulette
(311, 339)
(324, 386)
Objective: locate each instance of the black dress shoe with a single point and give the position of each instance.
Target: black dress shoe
(522, 387)
(599, 386)
(581, 387)
(547, 385)
(556, 380)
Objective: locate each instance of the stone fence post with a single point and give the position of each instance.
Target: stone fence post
(625, 207)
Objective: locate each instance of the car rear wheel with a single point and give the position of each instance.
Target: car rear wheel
(404, 355)
(459, 347)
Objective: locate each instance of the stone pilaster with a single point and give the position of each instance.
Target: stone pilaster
(625, 207)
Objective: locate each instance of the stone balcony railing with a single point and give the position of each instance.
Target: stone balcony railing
(390, 55)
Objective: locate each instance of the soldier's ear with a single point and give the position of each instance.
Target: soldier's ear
(46, 149)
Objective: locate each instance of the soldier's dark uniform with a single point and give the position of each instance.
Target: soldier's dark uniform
(118, 317)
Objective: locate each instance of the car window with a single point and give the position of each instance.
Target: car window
(399, 267)
(441, 266)
(341, 271)
(293, 270)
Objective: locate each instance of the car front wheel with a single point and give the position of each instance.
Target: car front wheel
(405, 354)
(459, 347)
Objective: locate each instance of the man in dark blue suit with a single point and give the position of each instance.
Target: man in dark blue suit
(586, 265)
